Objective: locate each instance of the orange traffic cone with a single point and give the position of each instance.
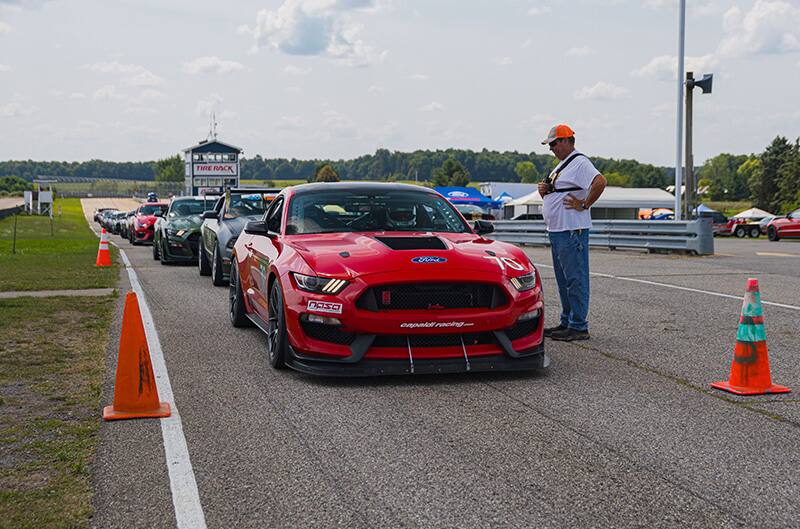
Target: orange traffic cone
(135, 392)
(103, 255)
(750, 368)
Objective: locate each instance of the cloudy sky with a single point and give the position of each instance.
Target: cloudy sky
(137, 79)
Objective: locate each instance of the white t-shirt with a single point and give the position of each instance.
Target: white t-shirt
(579, 173)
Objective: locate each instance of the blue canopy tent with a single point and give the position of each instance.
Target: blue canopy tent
(468, 195)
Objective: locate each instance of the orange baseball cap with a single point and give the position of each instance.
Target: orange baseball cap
(559, 131)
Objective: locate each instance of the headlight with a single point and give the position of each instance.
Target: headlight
(231, 242)
(319, 285)
(175, 233)
(524, 283)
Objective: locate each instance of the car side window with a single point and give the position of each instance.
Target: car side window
(274, 216)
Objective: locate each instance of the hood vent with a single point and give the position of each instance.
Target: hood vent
(413, 243)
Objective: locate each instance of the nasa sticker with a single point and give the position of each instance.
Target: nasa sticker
(426, 259)
(325, 306)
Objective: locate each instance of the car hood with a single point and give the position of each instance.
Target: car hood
(190, 222)
(146, 218)
(368, 254)
(236, 224)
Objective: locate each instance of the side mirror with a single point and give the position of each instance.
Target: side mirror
(258, 227)
(483, 227)
(210, 214)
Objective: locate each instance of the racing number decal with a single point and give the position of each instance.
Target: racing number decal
(502, 262)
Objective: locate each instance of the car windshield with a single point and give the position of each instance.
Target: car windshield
(371, 210)
(152, 209)
(246, 205)
(184, 208)
(469, 209)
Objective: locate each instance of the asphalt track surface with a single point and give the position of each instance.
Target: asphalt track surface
(621, 431)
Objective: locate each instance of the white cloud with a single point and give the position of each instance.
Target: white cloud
(206, 106)
(581, 51)
(296, 70)
(433, 106)
(536, 11)
(107, 92)
(132, 74)
(4, 28)
(290, 123)
(375, 89)
(665, 67)
(339, 125)
(15, 110)
(503, 61)
(77, 95)
(769, 27)
(5, 68)
(211, 64)
(601, 91)
(316, 27)
(539, 123)
(419, 77)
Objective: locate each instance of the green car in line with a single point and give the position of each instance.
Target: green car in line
(177, 233)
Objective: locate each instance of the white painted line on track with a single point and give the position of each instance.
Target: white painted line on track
(678, 287)
(185, 498)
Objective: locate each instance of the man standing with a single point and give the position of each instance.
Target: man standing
(568, 193)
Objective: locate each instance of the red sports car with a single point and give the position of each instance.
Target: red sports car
(371, 279)
(785, 227)
(140, 227)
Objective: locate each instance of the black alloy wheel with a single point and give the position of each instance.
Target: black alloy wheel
(276, 328)
(236, 310)
(162, 252)
(217, 277)
(156, 257)
(772, 234)
(202, 261)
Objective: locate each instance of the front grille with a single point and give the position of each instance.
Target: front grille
(432, 296)
(432, 340)
(327, 333)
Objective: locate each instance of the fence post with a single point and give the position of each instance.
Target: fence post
(14, 240)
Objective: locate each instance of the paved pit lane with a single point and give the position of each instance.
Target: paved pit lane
(622, 431)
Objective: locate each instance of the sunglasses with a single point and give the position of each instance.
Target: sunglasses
(554, 143)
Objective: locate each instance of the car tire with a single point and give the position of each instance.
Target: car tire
(276, 328)
(217, 276)
(772, 234)
(156, 257)
(162, 254)
(202, 261)
(739, 232)
(755, 232)
(236, 309)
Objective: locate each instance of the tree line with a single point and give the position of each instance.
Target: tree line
(770, 180)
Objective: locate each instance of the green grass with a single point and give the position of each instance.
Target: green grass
(50, 383)
(51, 256)
(729, 208)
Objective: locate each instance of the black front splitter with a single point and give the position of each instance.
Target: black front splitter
(533, 359)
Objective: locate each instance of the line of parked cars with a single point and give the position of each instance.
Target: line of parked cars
(361, 278)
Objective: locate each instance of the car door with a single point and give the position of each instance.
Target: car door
(262, 251)
(210, 228)
(792, 228)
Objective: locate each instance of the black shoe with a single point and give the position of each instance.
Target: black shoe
(550, 330)
(570, 335)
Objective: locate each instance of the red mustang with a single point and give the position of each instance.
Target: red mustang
(784, 227)
(371, 279)
(140, 225)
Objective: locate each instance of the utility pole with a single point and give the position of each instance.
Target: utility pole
(679, 114)
(689, 177)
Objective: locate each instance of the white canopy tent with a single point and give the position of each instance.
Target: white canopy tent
(753, 213)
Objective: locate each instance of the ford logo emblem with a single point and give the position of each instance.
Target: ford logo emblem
(428, 259)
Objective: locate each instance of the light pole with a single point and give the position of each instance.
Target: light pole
(691, 185)
(679, 115)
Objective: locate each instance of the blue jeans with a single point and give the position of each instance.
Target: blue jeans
(570, 251)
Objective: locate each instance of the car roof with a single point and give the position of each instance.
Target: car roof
(360, 187)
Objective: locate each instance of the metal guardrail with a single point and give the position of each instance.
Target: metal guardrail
(693, 236)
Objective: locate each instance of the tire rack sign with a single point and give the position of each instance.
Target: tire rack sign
(215, 169)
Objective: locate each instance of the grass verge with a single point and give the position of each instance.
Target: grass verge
(50, 383)
(52, 255)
